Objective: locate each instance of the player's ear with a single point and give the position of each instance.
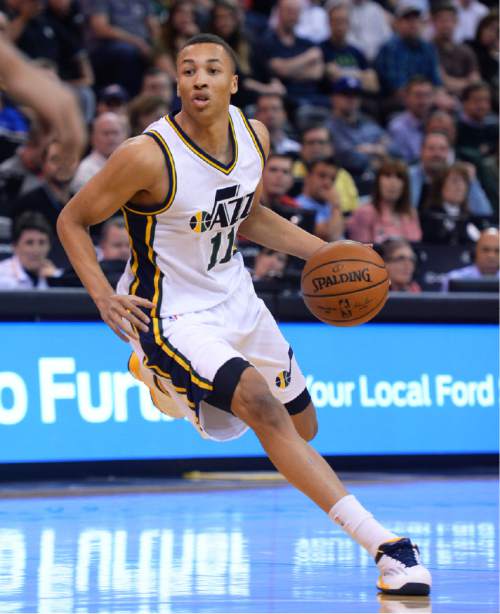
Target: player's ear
(234, 84)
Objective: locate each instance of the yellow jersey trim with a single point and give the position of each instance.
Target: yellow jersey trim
(190, 144)
(254, 137)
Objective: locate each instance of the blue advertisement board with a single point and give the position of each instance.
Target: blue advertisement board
(66, 395)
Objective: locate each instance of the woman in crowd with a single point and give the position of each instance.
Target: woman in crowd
(486, 48)
(180, 26)
(390, 213)
(445, 217)
(400, 261)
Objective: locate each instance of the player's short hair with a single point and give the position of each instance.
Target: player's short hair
(200, 39)
(31, 220)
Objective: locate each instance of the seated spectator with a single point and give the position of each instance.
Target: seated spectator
(144, 110)
(108, 132)
(407, 128)
(50, 197)
(296, 62)
(400, 261)
(406, 54)
(114, 249)
(271, 112)
(485, 46)
(436, 156)
(486, 259)
(73, 62)
(390, 213)
(370, 26)
(478, 126)
(268, 265)
(29, 267)
(469, 14)
(318, 195)
(122, 36)
(359, 142)
(316, 144)
(445, 217)
(30, 29)
(112, 99)
(442, 121)
(277, 180)
(227, 21)
(20, 173)
(457, 62)
(179, 27)
(156, 82)
(313, 22)
(341, 58)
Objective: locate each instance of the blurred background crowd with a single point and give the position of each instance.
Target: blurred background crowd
(383, 116)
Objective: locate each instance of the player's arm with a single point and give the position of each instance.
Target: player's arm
(131, 170)
(269, 229)
(51, 100)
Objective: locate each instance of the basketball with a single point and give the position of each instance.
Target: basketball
(345, 283)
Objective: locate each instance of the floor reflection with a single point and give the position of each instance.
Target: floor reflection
(241, 551)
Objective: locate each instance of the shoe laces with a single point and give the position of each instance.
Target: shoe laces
(402, 551)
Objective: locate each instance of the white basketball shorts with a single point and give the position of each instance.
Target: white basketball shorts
(199, 357)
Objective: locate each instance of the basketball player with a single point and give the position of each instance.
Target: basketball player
(209, 349)
(54, 103)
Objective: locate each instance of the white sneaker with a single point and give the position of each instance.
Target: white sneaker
(401, 572)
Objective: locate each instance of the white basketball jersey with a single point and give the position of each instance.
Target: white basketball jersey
(183, 254)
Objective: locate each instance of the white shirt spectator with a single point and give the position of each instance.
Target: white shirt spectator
(14, 277)
(313, 23)
(369, 27)
(469, 15)
(87, 168)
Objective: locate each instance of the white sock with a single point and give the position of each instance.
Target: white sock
(360, 524)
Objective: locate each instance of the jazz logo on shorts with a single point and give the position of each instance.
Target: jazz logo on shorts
(284, 378)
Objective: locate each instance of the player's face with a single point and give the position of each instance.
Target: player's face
(32, 249)
(205, 79)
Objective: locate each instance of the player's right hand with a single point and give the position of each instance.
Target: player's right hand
(123, 314)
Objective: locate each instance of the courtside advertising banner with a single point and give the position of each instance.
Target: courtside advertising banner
(66, 395)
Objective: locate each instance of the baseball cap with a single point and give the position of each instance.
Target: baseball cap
(347, 85)
(113, 94)
(408, 7)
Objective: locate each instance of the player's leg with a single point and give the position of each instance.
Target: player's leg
(306, 422)
(303, 467)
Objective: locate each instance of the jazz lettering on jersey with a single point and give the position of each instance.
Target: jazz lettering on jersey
(228, 209)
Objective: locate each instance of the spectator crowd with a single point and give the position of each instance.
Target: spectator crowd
(383, 118)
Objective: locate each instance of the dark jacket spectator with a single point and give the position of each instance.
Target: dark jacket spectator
(122, 36)
(406, 55)
(341, 58)
(458, 63)
(50, 197)
(445, 216)
(297, 62)
(485, 46)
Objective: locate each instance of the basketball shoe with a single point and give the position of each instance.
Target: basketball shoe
(401, 572)
(160, 397)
